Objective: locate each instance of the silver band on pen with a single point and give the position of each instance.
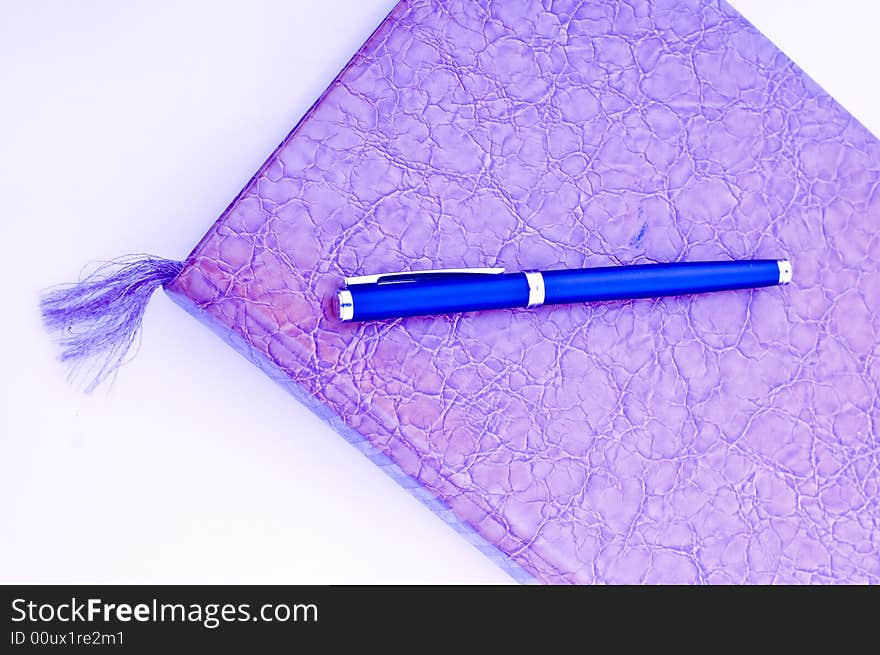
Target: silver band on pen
(537, 293)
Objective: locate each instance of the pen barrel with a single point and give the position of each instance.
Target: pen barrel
(654, 280)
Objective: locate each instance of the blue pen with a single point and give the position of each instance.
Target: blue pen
(447, 291)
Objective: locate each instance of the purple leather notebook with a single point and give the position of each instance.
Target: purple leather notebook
(724, 438)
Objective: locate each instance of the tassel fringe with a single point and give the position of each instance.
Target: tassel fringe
(96, 320)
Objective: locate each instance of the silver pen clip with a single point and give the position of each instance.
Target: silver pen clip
(415, 276)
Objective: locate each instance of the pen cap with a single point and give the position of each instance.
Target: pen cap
(427, 295)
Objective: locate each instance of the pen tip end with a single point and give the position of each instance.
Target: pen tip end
(344, 305)
(784, 271)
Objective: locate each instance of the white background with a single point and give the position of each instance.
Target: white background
(128, 127)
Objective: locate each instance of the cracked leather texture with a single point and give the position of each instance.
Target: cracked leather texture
(724, 438)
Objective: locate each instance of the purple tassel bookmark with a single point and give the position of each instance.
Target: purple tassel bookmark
(96, 320)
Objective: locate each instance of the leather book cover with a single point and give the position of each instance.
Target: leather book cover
(724, 438)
